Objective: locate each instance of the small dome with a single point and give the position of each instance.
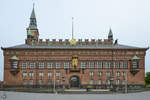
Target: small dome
(135, 58)
(14, 58)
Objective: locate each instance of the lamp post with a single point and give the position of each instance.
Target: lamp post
(54, 87)
(126, 84)
(111, 82)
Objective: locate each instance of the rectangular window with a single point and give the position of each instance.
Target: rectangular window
(135, 64)
(91, 82)
(24, 65)
(24, 82)
(66, 65)
(91, 74)
(41, 74)
(123, 74)
(40, 82)
(58, 65)
(100, 64)
(91, 64)
(125, 64)
(117, 74)
(108, 74)
(31, 82)
(41, 65)
(49, 74)
(108, 82)
(49, 82)
(49, 65)
(100, 74)
(123, 82)
(57, 74)
(99, 82)
(25, 75)
(57, 82)
(32, 65)
(83, 65)
(117, 64)
(108, 65)
(31, 74)
(117, 82)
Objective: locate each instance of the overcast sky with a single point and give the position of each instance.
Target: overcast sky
(129, 20)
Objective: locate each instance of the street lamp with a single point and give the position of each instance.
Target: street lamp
(111, 82)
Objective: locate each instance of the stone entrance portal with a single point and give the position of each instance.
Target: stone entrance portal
(74, 82)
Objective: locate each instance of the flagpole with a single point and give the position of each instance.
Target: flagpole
(72, 28)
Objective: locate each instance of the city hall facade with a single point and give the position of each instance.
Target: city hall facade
(72, 63)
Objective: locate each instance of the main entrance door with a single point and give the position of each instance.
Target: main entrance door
(74, 81)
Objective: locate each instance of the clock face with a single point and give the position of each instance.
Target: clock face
(31, 32)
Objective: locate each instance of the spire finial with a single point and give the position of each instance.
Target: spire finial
(72, 28)
(33, 5)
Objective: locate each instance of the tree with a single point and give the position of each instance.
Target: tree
(147, 78)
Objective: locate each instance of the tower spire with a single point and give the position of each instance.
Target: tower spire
(110, 35)
(33, 24)
(32, 30)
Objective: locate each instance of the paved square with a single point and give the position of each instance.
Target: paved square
(45, 96)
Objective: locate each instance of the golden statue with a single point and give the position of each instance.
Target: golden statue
(73, 42)
(74, 62)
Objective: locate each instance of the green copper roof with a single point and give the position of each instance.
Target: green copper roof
(135, 58)
(33, 24)
(14, 58)
(32, 14)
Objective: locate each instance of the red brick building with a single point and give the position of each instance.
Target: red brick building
(72, 63)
